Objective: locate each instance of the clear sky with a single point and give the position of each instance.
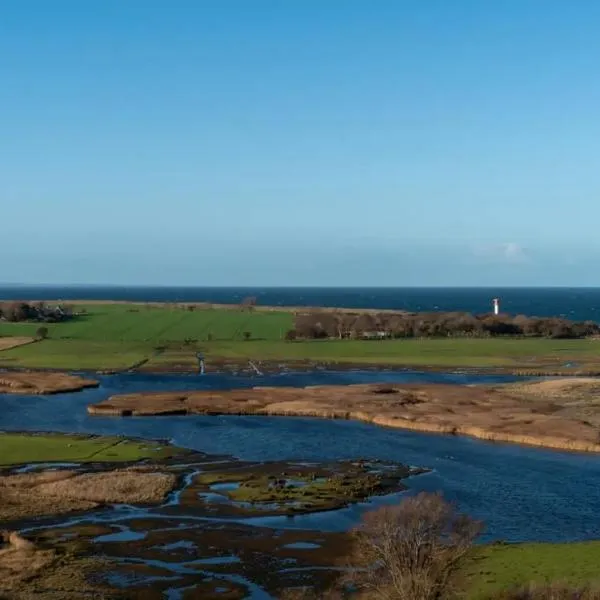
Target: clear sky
(300, 142)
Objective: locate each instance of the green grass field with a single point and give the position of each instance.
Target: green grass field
(498, 567)
(23, 448)
(121, 336)
(146, 323)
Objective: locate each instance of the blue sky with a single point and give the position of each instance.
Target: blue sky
(300, 142)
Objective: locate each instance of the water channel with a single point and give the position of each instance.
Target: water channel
(521, 493)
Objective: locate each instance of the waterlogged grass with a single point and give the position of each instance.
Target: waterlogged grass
(498, 567)
(23, 448)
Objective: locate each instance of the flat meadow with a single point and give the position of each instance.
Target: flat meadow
(117, 336)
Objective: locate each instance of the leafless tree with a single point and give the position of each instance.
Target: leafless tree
(248, 303)
(407, 551)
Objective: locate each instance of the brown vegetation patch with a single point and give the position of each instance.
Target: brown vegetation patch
(20, 559)
(38, 382)
(572, 398)
(44, 572)
(505, 413)
(6, 343)
(54, 492)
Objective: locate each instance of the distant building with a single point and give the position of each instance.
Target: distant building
(496, 305)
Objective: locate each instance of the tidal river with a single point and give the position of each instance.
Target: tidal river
(521, 493)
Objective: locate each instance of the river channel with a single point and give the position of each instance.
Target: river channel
(521, 493)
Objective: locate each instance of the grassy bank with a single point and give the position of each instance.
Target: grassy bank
(121, 336)
(23, 448)
(500, 567)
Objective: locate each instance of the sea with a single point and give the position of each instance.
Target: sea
(573, 303)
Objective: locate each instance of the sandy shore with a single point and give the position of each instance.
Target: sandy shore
(559, 414)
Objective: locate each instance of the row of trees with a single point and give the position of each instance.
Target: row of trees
(15, 312)
(323, 324)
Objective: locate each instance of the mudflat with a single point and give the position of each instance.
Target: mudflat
(40, 382)
(542, 413)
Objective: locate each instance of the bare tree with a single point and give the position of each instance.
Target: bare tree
(407, 551)
(248, 303)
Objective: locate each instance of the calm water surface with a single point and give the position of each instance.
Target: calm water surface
(521, 493)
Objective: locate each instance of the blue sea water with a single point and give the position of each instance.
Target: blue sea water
(574, 303)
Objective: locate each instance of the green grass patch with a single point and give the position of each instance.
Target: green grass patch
(23, 448)
(453, 352)
(499, 567)
(76, 355)
(118, 336)
(146, 323)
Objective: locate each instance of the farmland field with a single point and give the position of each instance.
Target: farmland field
(147, 323)
(125, 336)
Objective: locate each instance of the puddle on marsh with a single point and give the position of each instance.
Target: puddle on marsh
(302, 546)
(224, 487)
(190, 543)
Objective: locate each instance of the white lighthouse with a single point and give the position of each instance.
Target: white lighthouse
(496, 303)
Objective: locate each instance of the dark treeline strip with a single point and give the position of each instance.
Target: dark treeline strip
(320, 325)
(15, 312)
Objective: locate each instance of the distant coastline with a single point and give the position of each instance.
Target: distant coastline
(578, 304)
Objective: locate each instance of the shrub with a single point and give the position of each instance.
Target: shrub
(247, 335)
(291, 335)
(41, 333)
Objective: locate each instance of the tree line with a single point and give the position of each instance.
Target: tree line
(370, 325)
(16, 312)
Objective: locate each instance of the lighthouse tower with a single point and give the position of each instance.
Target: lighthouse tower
(496, 303)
